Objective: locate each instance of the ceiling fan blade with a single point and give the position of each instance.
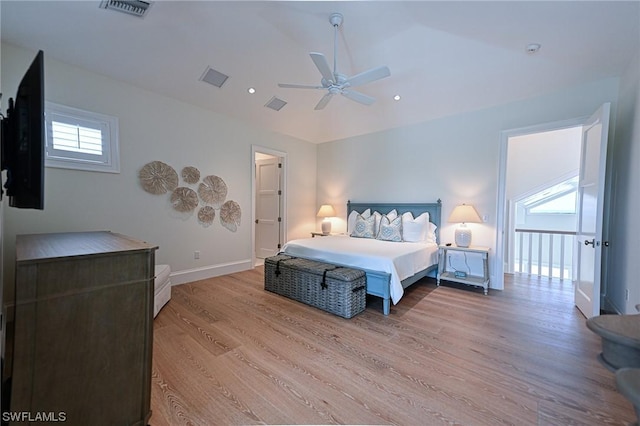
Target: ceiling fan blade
(298, 86)
(369, 76)
(324, 101)
(358, 97)
(322, 65)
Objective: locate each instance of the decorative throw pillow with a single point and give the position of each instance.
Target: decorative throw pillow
(390, 230)
(392, 214)
(351, 220)
(414, 230)
(364, 227)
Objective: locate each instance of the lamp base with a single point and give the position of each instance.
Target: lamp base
(326, 227)
(463, 236)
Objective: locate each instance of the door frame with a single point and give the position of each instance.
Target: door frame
(283, 226)
(501, 208)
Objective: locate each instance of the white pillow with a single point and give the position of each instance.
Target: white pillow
(376, 224)
(351, 220)
(415, 230)
(363, 227)
(390, 230)
(431, 233)
(392, 214)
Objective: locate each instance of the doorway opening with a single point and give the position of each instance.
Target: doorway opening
(589, 258)
(525, 155)
(541, 194)
(269, 195)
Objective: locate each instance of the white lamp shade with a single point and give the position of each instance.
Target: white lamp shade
(326, 210)
(464, 214)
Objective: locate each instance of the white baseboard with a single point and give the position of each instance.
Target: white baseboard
(190, 275)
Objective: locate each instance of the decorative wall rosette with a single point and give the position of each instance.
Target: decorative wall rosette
(160, 178)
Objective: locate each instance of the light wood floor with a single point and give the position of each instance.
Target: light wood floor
(228, 352)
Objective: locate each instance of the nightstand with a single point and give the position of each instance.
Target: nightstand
(479, 281)
(318, 234)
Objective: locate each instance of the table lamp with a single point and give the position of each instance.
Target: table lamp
(326, 211)
(464, 214)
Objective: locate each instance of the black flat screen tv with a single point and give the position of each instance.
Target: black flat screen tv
(23, 133)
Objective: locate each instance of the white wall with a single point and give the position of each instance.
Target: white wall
(454, 158)
(538, 160)
(624, 234)
(154, 127)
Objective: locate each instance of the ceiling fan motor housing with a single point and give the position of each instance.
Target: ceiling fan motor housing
(336, 19)
(336, 83)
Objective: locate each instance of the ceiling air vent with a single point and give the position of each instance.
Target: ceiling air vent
(132, 7)
(275, 104)
(214, 77)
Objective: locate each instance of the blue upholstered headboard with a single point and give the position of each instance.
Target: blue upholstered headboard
(434, 209)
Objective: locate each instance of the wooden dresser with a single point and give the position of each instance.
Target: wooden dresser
(79, 326)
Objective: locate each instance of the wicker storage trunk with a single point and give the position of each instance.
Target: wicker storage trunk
(335, 289)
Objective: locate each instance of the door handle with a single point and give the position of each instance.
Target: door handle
(592, 242)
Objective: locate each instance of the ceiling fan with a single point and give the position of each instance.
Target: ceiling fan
(333, 81)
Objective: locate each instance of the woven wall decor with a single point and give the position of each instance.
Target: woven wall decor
(206, 215)
(184, 199)
(158, 178)
(212, 190)
(230, 215)
(190, 175)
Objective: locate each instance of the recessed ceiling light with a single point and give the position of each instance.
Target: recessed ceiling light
(396, 98)
(533, 48)
(251, 90)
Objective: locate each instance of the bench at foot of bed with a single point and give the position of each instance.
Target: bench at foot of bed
(336, 289)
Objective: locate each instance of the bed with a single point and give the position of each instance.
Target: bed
(390, 267)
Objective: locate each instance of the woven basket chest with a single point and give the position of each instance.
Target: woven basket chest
(335, 289)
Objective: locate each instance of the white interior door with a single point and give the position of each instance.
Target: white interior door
(268, 204)
(591, 186)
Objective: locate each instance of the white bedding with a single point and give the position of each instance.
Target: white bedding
(400, 260)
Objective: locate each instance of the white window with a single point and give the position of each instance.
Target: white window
(564, 204)
(81, 140)
(556, 199)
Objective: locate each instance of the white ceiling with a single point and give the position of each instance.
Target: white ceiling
(445, 57)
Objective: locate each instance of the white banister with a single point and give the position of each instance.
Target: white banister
(540, 254)
(552, 259)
